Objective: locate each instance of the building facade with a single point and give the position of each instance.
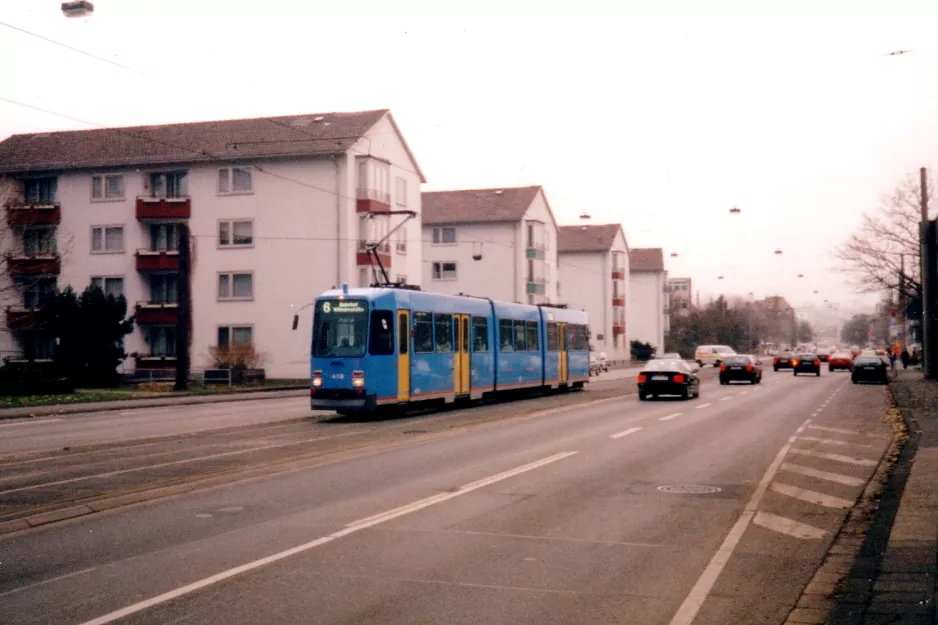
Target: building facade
(497, 243)
(593, 265)
(278, 209)
(648, 290)
(680, 296)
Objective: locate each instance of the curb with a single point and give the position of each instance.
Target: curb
(27, 412)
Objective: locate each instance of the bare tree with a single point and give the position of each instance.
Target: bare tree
(872, 256)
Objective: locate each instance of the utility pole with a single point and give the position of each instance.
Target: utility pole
(183, 319)
(928, 258)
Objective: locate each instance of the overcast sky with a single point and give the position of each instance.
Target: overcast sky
(654, 114)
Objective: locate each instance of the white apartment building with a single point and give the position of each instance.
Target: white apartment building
(593, 264)
(498, 243)
(279, 210)
(648, 293)
(680, 296)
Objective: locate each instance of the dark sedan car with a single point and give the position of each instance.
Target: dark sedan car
(743, 367)
(870, 369)
(807, 363)
(668, 377)
(783, 360)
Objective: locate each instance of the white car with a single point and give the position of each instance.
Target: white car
(712, 354)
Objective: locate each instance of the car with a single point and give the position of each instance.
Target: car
(712, 354)
(855, 350)
(824, 354)
(807, 363)
(671, 356)
(741, 367)
(668, 377)
(870, 369)
(840, 360)
(782, 360)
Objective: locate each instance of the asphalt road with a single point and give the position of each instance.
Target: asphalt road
(563, 515)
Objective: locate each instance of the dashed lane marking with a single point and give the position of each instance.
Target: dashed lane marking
(744, 392)
(837, 478)
(670, 416)
(788, 526)
(625, 433)
(811, 496)
(727, 398)
(703, 406)
(860, 462)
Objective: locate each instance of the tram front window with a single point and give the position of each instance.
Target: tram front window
(340, 328)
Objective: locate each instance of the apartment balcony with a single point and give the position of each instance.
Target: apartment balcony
(365, 259)
(34, 214)
(618, 302)
(177, 208)
(38, 265)
(153, 260)
(161, 313)
(618, 274)
(372, 201)
(618, 328)
(19, 318)
(149, 361)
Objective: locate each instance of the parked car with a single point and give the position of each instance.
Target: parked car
(807, 363)
(712, 354)
(783, 360)
(870, 369)
(668, 377)
(842, 360)
(742, 367)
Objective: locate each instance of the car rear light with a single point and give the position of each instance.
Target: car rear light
(722, 367)
(680, 378)
(749, 368)
(775, 362)
(817, 363)
(642, 378)
(794, 363)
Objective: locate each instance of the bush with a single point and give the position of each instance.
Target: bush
(642, 351)
(236, 357)
(33, 378)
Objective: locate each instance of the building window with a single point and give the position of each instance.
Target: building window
(400, 195)
(35, 291)
(107, 187)
(107, 239)
(400, 278)
(235, 180)
(618, 261)
(401, 244)
(110, 286)
(423, 332)
(235, 336)
(39, 241)
(162, 341)
(374, 178)
(164, 237)
(236, 233)
(36, 345)
(480, 334)
(444, 236)
(169, 184)
(236, 286)
(40, 190)
(444, 271)
(164, 288)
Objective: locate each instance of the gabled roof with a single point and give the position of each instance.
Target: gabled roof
(476, 205)
(646, 259)
(593, 238)
(228, 140)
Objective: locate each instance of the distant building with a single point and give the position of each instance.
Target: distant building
(680, 296)
(648, 298)
(498, 243)
(593, 264)
(280, 209)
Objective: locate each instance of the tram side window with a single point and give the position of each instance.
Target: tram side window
(504, 335)
(480, 334)
(403, 335)
(520, 341)
(444, 333)
(579, 338)
(381, 336)
(533, 342)
(553, 337)
(423, 333)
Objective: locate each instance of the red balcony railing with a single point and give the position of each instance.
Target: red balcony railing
(150, 260)
(618, 328)
(372, 201)
(618, 302)
(161, 314)
(618, 274)
(46, 264)
(22, 318)
(34, 214)
(164, 207)
(365, 259)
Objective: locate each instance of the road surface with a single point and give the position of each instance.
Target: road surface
(716, 510)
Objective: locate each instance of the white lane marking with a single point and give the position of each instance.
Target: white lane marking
(727, 398)
(692, 603)
(839, 458)
(744, 392)
(624, 433)
(842, 431)
(670, 416)
(46, 581)
(811, 496)
(802, 427)
(838, 478)
(832, 441)
(756, 388)
(350, 529)
(28, 422)
(788, 526)
(703, 406)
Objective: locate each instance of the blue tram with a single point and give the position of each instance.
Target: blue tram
(385, 346)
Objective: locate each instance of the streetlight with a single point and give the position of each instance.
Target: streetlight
(81, 8)
(778, 252)
(735, 210)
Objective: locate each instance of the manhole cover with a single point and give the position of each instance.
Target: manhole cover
(689, 489)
